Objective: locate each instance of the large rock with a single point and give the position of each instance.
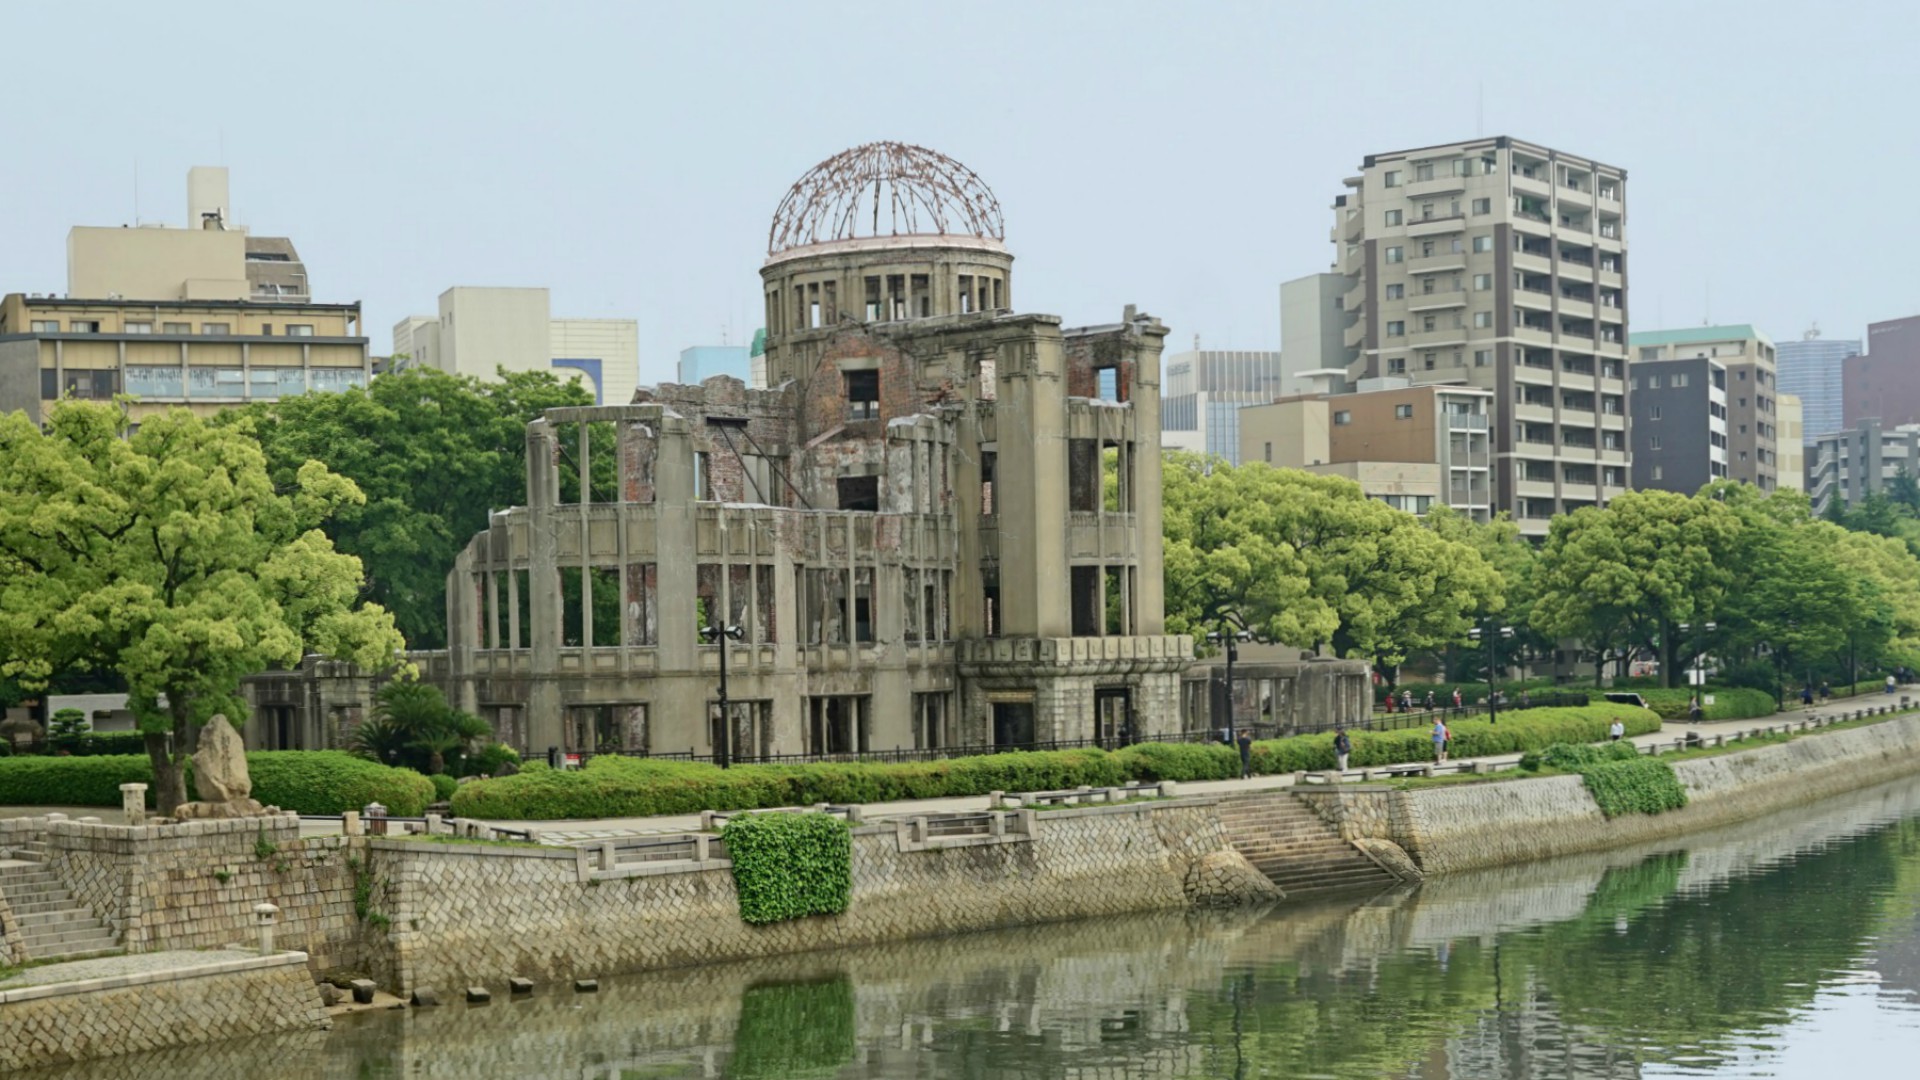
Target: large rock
(1225, 878)
(220, 775)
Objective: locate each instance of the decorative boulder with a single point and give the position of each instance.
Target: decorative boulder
(220, 776)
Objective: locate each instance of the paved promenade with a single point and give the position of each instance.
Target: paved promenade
(574, 832)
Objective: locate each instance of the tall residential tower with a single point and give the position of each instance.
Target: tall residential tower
(1500, 264)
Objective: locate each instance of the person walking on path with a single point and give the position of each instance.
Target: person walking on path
(1389, 703)
(1430, 701)
(1826, 691)
(1617, 730)
(1806, 698)
(1342, 746)
(1891, 683)
(1440, 737)
(1406, 700)
(1456, 697)
(1246, 754)
(1694, 711)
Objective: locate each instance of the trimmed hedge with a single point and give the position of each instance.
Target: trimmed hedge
(789, 866)
(643, 787)
(305, 781)
(1729, 703)
(1641, 786)
(443, 786)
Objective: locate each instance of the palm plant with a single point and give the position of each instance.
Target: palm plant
(413, 724)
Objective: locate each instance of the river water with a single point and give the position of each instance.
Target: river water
(1786, 947)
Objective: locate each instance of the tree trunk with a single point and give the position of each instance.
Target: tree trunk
(169, 779)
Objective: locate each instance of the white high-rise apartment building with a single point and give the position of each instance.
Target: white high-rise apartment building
(1500, 264)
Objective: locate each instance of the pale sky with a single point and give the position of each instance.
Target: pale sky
(1182, 157)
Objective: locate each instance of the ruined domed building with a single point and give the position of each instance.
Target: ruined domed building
(939, 527)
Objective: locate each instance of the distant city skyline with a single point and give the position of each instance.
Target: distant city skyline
(634, 159)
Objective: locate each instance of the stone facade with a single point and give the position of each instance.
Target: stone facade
(193, 885)
(226, 998)
(1464, 827)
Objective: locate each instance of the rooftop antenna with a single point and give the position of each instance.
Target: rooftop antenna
(1813, 332)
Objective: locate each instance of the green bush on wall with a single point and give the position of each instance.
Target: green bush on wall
(1641, 786)
(304, 781)
(613, 786)
(789, 866)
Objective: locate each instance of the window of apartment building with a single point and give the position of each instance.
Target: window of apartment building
(1396, 291)
(1606, 189)
(1342, 417)
(1482, 357)
(1679, 379)
(1428, 359)
(1392, 179)
(1397, 328)
(1428, 322)
(1423, 171)
(1458, 320)
(176, 328)
(1653, 382)
(1610, 264)
(1656, 472)
(46, 326)
(299, 329)
(1482, 319)
(1743, 429)
(1459, 357)
(1426, 248)
(216, 329)
(1653, 442)
(1453, 208)
(1426, 211)
(1743, 403)
(1397, 365)
(1403, 412)
(1482, 282)
(1393, 217)
(1743, 455)
(84, 326)
(1483, 206)
(1267, 449)
(139, 327)
(1456, 246)
(1463, 166)
(1653, 413)
(1482, 244)
(1396, 254)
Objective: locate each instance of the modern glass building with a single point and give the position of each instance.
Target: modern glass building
(1810, 370)
(1204, 392)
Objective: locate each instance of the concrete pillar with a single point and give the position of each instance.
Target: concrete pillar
(133, 802)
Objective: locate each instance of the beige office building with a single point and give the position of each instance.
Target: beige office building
(1791, 444)
(482, 330)
(1411, 447)
(208, 317)
(1500, 264)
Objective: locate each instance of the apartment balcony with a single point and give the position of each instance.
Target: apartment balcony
(1538, 264)
(1533, 335)
(1446, 338)
(1437, 301)
(1355, 298)
(1615, 243)
(1356, 334)
(1582, 197)
(1537, 412)
(1437, 226)
(1439, 185)
(1577, 309)
(1438, 264)
(1538, 299)
(1538, 374)
(1609, 278)
(1532, 185)
(1467, 421)
(1533, 489)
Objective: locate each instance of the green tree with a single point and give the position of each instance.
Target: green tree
(434, 454)
(168, 558)
(1633, 571)
(1309, 561)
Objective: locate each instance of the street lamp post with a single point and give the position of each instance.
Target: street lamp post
(1233, 630)
(1697, 675)
(1490, 634)
(722, 745)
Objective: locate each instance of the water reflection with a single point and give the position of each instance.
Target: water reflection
(1733, 954)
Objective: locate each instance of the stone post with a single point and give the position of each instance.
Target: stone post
(133, 802)
(350, 822)
(263, 918)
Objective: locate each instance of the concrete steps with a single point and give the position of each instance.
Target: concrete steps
(53, 925)
(1295, 849)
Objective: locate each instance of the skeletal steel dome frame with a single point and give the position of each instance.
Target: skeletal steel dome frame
(885, 189)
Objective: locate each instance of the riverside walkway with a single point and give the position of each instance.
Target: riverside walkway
(589, 831)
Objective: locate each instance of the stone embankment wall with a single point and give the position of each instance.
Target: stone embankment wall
(227, 998)
(466, 914)
(1468, 826)
(193, 885)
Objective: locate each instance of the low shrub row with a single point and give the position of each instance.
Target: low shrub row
(1729, 703)
(1572, 757)
(639, 787)
(306, 781)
